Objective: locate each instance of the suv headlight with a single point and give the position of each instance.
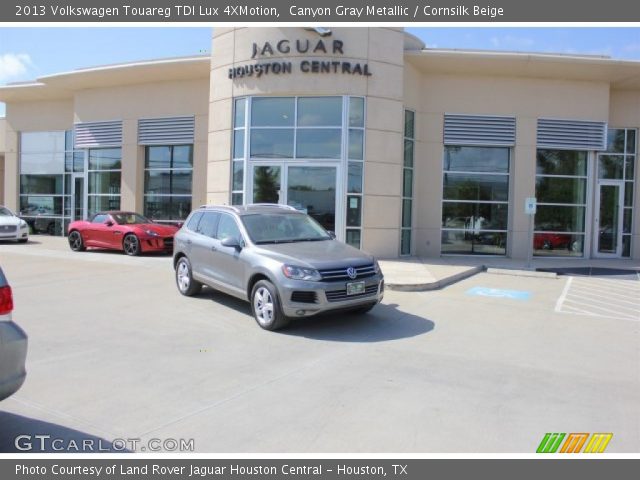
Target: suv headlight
(151, 233)
(376, 266)
(301, 273)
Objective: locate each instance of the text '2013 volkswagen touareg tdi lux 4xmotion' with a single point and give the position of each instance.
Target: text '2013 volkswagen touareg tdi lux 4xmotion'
(279, 259)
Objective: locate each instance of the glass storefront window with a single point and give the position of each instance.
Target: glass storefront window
(44, 188)
(271, 143)
(101, 203)
(476, 159)
(354, 184)
(41, 184)
(562, 162)
(319, 111)
(318, 143)
(407, 182)
(266, 184)
(356, 144)
(272, 112)
(561, 192)
(356, 112)
(475, 203)
(105, 159)
(238, 143)
(617, 163)
(167, 207)
(329, 130)
(167, 182)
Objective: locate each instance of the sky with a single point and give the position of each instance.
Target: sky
(29, 53)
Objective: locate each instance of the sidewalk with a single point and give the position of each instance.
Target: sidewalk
(405, 274)
(420, 274)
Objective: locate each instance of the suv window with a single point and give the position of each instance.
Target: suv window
(99, 218)
(192, 224)
(227, 227)
(208, 224)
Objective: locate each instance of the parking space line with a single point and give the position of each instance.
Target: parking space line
(590, 292)
(596, 297)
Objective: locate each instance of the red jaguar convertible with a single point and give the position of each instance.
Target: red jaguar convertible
(126, 231)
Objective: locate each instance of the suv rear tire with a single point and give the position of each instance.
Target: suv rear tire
(266, 307)
(187, 286)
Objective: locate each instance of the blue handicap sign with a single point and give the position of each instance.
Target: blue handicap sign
(499, 293)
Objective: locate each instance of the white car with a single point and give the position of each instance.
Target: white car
(12, 227)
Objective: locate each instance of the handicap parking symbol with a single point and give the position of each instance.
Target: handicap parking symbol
(499, 293)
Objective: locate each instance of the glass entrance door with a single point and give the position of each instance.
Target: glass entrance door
(312, 189)
(78, 198)
(608, 219)
(308, 188)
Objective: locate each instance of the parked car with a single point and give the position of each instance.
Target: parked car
(127, 231)
(12, 227)
(13, 345)
(277, 258)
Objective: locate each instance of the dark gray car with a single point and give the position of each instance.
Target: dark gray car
(13, 345)
(277, 258)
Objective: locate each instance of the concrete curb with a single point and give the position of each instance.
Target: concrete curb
(444, 282)
(521, 273)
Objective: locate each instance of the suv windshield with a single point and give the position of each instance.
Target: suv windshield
(283, 227)
(129, 218)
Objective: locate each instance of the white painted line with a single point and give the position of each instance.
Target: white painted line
(564, 312)
(608, 310)
(622, 292)
(564, 294)
(590, 293)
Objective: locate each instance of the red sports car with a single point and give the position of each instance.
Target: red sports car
(126, 231)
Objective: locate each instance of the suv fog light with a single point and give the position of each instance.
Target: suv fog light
(299, 312)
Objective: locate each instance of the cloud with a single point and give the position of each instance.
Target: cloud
(13, 65)
(632, 48)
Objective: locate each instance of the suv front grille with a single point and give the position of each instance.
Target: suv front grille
(335, 274)
(338, 295)
(304, 297)
(8, 228)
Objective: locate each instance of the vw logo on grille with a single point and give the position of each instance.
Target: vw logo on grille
(352, 273)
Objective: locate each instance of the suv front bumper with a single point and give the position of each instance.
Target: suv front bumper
(303, 298)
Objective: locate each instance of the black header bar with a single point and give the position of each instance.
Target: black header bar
(314, 12)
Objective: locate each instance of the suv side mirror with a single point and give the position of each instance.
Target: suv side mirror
(332, 234)
(231, 242)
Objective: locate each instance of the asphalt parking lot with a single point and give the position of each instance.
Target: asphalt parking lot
(117, 353)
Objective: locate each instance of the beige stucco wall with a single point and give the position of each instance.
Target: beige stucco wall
(52, 115)
(129, 103)
(525, 98)
(382, 49)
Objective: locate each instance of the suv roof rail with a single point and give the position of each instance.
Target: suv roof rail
(230, 207)
(274, 205)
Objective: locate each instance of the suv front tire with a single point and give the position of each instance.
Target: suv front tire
(187, 286)
(266, 307)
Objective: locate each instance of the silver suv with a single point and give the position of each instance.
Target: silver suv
(277, 258)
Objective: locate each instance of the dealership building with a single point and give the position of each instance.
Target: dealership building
(398, 148)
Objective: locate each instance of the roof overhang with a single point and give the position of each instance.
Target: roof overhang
(63, 85)
(620, 74)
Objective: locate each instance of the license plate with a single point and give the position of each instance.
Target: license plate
(354, 288)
